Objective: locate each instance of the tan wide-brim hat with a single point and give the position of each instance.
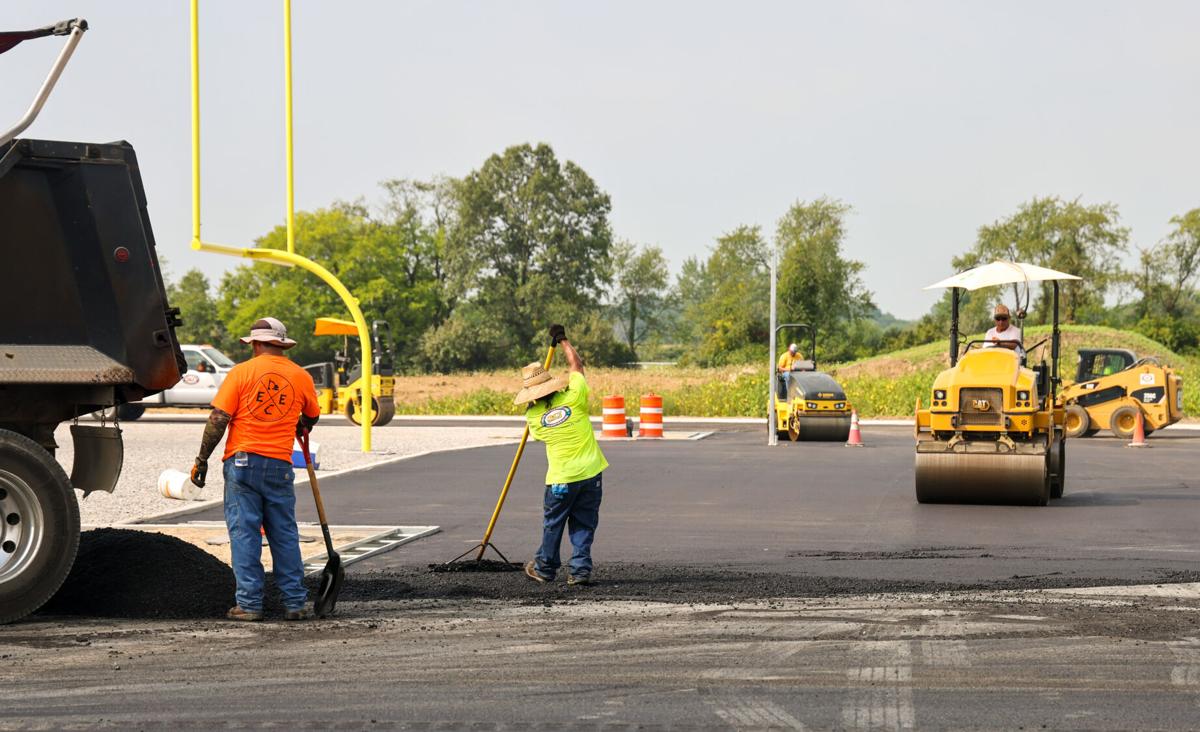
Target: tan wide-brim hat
(537, 383)
(269, 330)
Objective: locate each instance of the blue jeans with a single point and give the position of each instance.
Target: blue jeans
(575, 506)
(260, 493)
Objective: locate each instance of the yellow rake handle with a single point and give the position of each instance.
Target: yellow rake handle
(487, 535)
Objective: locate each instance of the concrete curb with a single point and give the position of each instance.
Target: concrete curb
(302, 479)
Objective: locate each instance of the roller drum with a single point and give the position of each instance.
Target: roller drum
(819, 429)
(1010, 479)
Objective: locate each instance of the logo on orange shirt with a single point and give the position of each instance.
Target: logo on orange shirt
(272, 397)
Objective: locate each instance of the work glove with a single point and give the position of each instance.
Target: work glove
(558, 334)
(199, 472)
(304, 425)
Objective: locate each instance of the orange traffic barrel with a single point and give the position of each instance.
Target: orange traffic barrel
(614, 417)
(650, 422)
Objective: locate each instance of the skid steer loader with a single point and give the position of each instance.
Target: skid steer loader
(1112, 386)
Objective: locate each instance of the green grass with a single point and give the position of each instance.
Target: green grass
(882, 386)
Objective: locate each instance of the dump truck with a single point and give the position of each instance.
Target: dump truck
(85, 326)
(993, 431)
(1112, 386)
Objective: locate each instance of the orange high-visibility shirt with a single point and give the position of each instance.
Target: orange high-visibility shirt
(265, 396)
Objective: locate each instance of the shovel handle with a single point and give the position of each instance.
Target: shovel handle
(312, 481)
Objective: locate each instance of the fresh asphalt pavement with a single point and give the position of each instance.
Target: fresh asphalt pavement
(740, 586)
(805, 509)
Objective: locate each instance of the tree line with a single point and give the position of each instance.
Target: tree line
(468, 271)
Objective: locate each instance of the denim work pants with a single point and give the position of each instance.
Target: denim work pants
(260, 493)
(575, 506)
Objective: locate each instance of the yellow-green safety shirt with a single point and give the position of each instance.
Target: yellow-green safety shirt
(571, 448)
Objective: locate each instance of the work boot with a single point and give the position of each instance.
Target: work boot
(579, 579)
(303, 613)
(237, 613)
(532, 572)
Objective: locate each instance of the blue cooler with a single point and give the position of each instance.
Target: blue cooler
(314, 449)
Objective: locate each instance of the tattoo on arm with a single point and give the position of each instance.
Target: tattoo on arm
(214, 430)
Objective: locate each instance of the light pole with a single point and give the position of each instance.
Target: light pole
(772, 436)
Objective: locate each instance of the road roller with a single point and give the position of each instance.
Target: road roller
(809, 404)
(993, 431)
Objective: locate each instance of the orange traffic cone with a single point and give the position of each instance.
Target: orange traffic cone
(855, 433)
(1139, 433)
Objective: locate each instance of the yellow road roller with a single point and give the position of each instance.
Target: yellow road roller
(809, 404)
(993, 432)
(340, 385)
(1112, 386)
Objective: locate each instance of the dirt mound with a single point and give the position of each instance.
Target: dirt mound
(120, 573)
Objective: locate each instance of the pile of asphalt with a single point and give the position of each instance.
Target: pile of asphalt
(120, 573)
(477, 565)
(670, 583)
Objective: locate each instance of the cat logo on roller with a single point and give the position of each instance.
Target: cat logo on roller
(555, 417)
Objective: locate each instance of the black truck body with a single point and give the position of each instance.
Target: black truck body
(84, 325)
(86, 322)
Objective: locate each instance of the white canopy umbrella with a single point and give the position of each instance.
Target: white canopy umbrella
(1000, 273)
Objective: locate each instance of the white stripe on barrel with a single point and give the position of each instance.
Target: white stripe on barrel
(614, 417)
(651, 417)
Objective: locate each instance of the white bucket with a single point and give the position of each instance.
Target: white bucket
(177, 484)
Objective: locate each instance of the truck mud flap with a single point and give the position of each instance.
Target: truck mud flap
(99, 455)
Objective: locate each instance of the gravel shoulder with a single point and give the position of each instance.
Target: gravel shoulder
(152, 447)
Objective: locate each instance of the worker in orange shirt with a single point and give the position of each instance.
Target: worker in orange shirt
(264, 402)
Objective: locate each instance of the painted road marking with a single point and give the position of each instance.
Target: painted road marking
(756, 714)
(947, 653)
(885, 699)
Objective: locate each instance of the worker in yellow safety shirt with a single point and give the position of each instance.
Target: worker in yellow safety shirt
(785, 364)
(557, 414)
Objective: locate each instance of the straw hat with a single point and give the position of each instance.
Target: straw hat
(537, 383)
(1001, 309)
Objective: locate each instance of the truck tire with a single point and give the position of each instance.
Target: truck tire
(1076, 421)
(39, 526)
(130, 412)
(1123, 421)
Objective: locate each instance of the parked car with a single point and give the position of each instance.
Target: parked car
(206, 369)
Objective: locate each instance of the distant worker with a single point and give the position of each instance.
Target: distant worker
(557, 414)
(265, 402)
(785, 364)
(1004, 334)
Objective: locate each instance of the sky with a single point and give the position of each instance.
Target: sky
(929, 118)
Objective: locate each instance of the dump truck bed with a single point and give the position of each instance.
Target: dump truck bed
(82, 293)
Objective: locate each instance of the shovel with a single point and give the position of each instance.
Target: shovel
(333, 574)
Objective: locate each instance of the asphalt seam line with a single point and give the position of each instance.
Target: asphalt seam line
(302, 479)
